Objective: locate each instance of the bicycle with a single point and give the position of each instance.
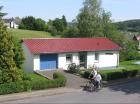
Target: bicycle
(92, 85)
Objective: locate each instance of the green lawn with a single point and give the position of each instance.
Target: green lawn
(36, 77)
(20, 34)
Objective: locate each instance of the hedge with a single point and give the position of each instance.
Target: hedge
(108, 75)
(37, 82)
(15, 87)
(59, 80)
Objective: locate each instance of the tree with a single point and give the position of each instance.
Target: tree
(40, 24)
(89, 19)
(19, 55)
(64, 21)
(28, 23)
(129, 51)
(58, 24)
(2, 14)
(71, 32)
(8, 69)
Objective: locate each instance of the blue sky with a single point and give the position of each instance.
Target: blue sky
(50, 9)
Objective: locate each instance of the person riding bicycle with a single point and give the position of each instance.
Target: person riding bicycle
(98, 79)
(93, 72)
(95, 77)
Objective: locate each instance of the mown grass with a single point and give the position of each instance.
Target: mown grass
(36, 77)
(20, 34)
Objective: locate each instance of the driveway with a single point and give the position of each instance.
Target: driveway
(124, 93)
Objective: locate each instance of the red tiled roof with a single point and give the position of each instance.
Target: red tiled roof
(69, 45)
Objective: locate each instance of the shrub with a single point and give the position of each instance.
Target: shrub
(42, 83)
(15, 87)
(129, 70)
(86, 74)
(73, 68)
(130, 73)
(33, 82)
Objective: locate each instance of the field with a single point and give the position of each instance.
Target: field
(20, 34)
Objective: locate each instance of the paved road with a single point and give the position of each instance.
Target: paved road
(124, 93)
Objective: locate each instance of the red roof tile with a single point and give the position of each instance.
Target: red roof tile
(69, 45)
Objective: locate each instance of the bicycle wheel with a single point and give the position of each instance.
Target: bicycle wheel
(91, 87)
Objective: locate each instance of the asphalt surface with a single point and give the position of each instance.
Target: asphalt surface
(123, 93)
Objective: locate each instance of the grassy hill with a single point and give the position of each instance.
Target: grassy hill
(20, 34)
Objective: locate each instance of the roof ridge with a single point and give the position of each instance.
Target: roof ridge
(65, 38)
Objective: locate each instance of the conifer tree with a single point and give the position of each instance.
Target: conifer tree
(8, 69)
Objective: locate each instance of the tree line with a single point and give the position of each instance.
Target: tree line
(130, 25)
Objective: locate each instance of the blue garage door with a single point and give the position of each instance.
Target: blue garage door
(48, 61)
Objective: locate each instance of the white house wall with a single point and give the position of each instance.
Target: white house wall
(90, 59)
(36, 62)
(62, 60)
(28, 63)
(106, 60)
(75, 58)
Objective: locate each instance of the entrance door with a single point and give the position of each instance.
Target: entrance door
(83, 59)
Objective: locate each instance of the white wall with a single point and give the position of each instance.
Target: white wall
(28, 63)
(62, 60)
(36, 62)
(75, 58)
(105, 60)
(90, 59)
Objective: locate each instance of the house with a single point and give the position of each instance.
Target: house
(11, 23)
(138, 39)
(51, 54)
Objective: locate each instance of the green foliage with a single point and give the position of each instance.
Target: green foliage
(57, 26)
(64, 21)
(128, 70)
(71, 32)
(18, 51)
(93, 21)
(130, 25)
(73, 68)
(14, 87)
(2, 14)
(85, 74)
(40, 25)
(33, 82)
(28, 23)
(39, 82)
(31, 23)
(8, 69)
(129, 51)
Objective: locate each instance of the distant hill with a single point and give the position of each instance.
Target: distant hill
(20, 34)
(129, 25)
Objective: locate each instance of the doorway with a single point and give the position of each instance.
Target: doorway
(83, 59)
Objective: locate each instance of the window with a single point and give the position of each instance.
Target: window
(69, 58)
(109, 53)
(97, 56)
